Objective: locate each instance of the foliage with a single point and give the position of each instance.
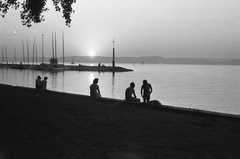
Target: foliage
(32, 10)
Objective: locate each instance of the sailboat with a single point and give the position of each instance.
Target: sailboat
(72, 62)
(56, 66)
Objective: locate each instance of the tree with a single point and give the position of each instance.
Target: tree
(32, 10)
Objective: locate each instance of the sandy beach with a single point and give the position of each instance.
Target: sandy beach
(58, 125)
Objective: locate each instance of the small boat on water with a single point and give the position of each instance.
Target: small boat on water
(72, 62)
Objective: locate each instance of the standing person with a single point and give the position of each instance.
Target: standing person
(130, 95)
(146, 91)
(94, 89)
(38, 83)
(44, 84)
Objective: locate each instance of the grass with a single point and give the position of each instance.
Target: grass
(64, 126)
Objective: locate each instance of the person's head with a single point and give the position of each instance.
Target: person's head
(132, 84)
(95, 81)
(144, 82)
(38, 77)
(45, 78)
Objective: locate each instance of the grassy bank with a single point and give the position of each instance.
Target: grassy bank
(57, 125)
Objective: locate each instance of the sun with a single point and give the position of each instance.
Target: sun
(91, 53)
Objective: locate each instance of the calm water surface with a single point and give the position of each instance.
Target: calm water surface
(206, 87)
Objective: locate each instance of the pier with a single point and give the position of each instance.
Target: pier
(60, 67)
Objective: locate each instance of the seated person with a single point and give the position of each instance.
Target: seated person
(44, 84)
(130, 95)
(94, 89)
(38, 83)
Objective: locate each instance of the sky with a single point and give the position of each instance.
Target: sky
(166, 28)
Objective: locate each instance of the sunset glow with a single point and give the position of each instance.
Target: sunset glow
(91, 53)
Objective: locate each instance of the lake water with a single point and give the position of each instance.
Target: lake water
(205, 87)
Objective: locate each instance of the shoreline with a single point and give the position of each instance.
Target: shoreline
(54, 124)
(153, 106)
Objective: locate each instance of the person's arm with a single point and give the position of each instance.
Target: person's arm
(98, 89)
(142, 91)
(150, 86)
(134, 94)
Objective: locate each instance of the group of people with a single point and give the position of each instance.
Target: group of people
(130, 95)
(146, 91)
(41, 84)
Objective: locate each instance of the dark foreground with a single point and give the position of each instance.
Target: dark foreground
(48, 125)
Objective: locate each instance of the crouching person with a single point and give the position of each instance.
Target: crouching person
(130, 95)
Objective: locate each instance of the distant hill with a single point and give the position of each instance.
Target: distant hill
(140, 60)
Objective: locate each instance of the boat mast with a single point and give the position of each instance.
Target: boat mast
(52, 47)
(55, 46)
(15, 55)
(27, 51)
(63, 46)
(113, 60)
(36, 53)
(42, 49)
(33, 49)
(2, 55)
(23, 53)
(6, 54)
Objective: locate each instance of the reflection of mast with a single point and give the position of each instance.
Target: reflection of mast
(113, 84)
(113, 60)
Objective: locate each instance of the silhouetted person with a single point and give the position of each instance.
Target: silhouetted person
(130, 95)
(44, 84)
(94, 89)
(38, 83)
(146, 91)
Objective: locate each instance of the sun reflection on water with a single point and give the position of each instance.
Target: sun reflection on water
(91, 77)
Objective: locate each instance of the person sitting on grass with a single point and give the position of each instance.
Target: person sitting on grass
(130, 95)
(44, 84)
(94, 89)
(38, 83)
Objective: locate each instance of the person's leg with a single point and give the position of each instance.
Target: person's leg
(148, 98)
(144, 99)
